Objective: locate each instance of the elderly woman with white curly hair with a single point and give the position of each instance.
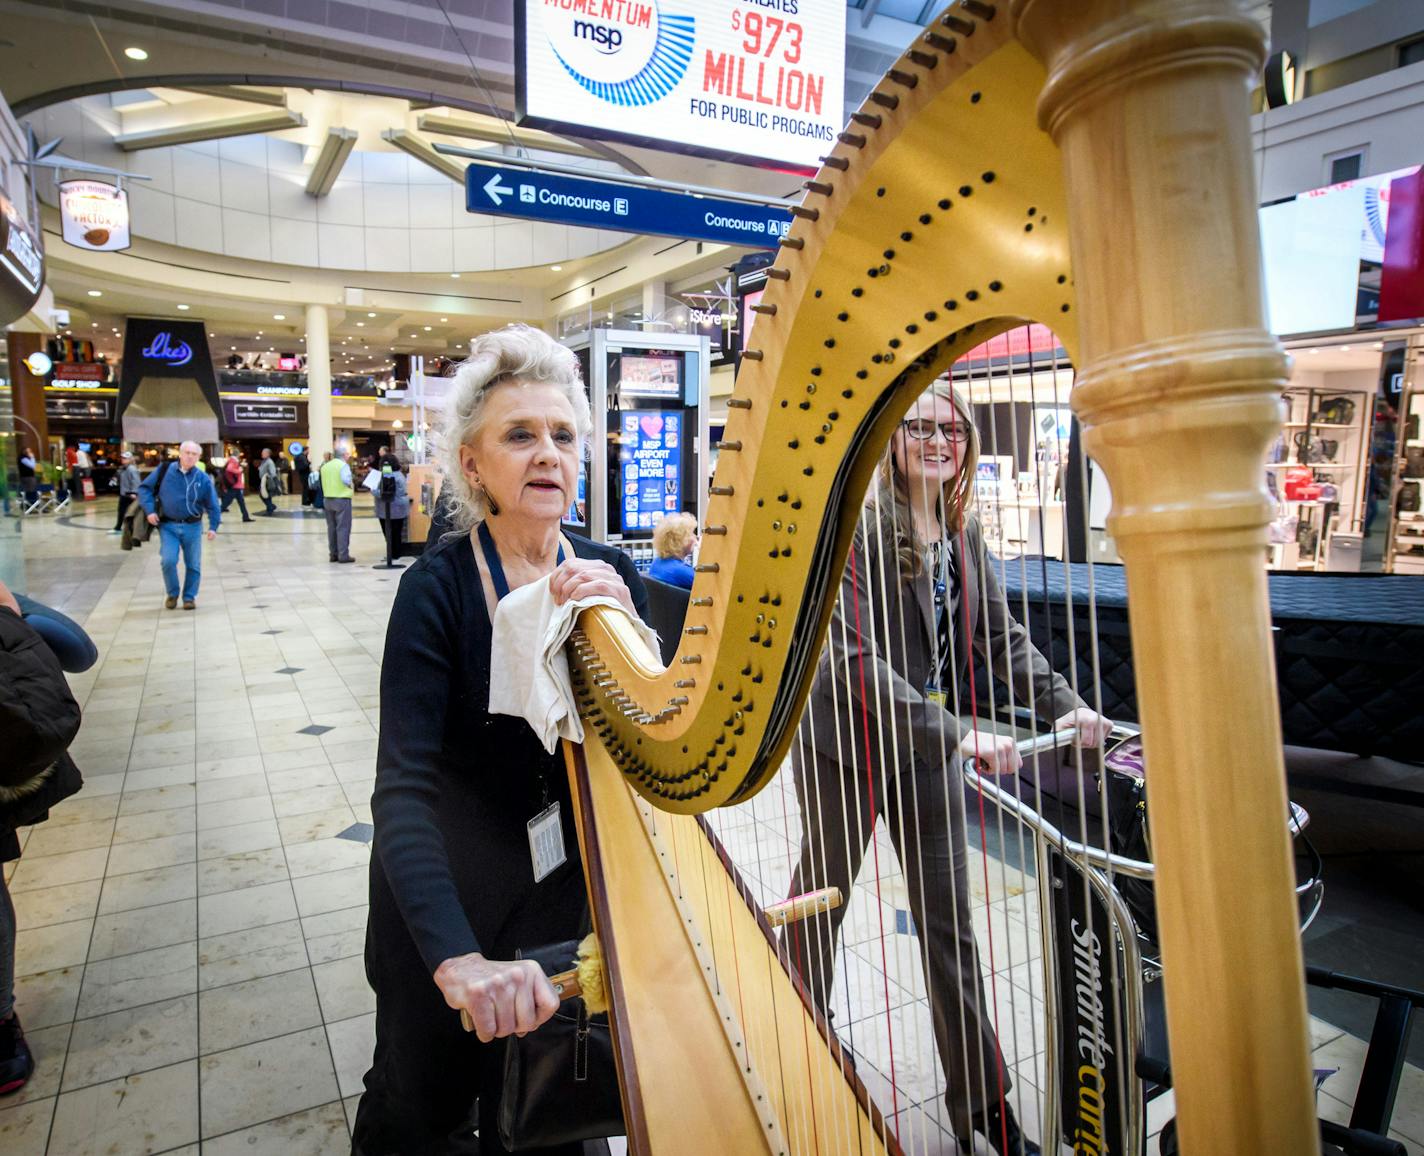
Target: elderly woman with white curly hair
(453, 890)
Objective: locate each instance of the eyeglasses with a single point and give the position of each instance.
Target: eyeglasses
(955, 432)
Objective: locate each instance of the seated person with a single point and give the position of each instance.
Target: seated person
(674, 540)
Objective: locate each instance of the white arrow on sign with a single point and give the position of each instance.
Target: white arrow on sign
(497, 191)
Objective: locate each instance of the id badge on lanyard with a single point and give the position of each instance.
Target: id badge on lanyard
(546, 829)
(937, 696)
(546, 842)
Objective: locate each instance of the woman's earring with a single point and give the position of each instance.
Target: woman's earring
(490, 504)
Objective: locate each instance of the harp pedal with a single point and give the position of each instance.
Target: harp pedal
(799, 907)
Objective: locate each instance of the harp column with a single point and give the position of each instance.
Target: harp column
(1179, 395)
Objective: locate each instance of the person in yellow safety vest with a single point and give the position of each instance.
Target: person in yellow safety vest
(337, 490)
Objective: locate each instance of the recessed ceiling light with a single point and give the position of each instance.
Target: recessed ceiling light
(427, 329)
(185, 307)
(360, 325)
(456, 276)
(1344, 349)
(136, 53)
(413, 336)
(95, 293)
(279, 317)
(444, 319)
(370, 315)
(557, 268)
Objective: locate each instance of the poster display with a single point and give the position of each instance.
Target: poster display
(95, 215)
(650, 449)
(750, 80)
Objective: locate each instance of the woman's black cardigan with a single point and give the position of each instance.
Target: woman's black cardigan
(457, 786)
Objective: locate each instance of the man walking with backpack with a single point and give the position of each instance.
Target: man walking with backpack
(175, 500)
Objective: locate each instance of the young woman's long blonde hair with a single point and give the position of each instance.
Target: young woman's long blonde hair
(956, 497)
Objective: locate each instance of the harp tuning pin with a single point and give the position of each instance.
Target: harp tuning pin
(854, 139)
(840, 164)
(805, 213)
(980, 9)
(695, 630)
(886, 99)
(733, 446)
(739, 402)
(868, 119)
(763, 307)
(923, 59)
(797, 243)
(714, 530)
(776, 273)
(907, 79)
(822, 188)
(943, 43)
(958, 23)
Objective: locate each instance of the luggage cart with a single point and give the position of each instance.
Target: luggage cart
(1107, 1052)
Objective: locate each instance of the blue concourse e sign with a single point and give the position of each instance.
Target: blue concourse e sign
(512, 192)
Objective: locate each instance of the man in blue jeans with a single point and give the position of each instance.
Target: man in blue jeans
(175, 496)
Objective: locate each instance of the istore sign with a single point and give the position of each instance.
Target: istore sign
(758, 80)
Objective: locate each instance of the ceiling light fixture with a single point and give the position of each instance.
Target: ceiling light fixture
(455, 276)
(95, 293)
(444, 319)
(185, 308)
(279, 317)
(360, 325)
(427, 329)
(557, 268)
(136, 53)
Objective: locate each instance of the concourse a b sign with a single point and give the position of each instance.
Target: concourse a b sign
(502, 191)
(760, 81)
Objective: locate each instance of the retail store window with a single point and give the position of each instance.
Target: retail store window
(1346, 166)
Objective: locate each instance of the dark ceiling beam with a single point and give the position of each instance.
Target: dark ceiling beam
(270, 96)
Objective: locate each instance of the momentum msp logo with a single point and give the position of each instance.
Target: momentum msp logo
(626, 52)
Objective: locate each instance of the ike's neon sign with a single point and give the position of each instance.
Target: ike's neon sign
(161, 348)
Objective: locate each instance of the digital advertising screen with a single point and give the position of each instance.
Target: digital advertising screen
(650, 455)
(746, 79)
(650, 375)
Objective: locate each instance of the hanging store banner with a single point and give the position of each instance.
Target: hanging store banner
(95, 215)
(21, 263)
(759, 81)
(156, 347)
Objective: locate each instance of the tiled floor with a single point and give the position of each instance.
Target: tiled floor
(192, 923)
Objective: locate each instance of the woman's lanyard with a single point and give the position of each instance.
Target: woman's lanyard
(546, 831)
(496, 568)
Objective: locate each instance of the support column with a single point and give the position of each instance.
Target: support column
(27, 392)
(655, 301)
(1179, 396)
(318, 383)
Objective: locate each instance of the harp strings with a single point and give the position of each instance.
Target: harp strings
(863, 796)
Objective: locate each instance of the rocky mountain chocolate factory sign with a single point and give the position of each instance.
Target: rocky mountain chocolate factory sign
(95, 215)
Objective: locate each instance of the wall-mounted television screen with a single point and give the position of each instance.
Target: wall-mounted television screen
(651, 375)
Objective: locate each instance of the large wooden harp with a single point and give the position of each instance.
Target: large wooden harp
(1085, 164)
